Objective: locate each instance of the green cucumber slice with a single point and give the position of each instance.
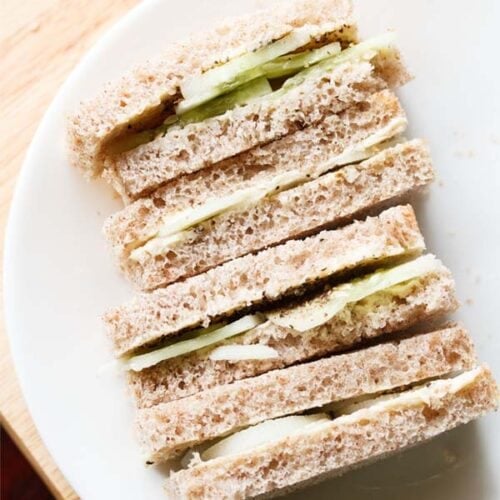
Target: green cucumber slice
(292, 63)
(366, 51)
(218, 106)
(235, 72)
(196, 340)
(318, 311)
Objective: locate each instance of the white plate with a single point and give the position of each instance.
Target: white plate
(59, 277)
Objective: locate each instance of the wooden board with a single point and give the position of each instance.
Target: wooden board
(40, 43)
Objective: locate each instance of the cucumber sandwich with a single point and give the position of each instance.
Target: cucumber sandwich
(215, 96)
(288, 324)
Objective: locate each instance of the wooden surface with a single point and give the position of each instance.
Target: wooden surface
(40, 42)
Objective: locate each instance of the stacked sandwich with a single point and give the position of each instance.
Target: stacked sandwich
(287, 327)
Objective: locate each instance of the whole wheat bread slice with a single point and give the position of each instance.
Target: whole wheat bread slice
(181, 151)
(167, 429)
(327, 202)
(141, 96)
(269, 275)
(333, 449)
(383, 313)
(304, 149)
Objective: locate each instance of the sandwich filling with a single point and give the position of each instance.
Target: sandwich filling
(177, 227)
(267, 73)
(309, 314)
(346, 412)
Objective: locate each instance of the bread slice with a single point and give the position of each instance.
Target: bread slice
(267, 276)
(141, 96)
(340, 445)
(338, 197)
(384, 313)
(329, 201)
(169, 428)
(181, 151)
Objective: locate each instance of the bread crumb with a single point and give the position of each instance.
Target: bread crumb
(440, 183)
(469, 302)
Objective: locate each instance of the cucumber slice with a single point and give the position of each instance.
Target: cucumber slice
(243, 352)
(422, 393)
(242, 95)
(128, 142)
(290, 64)
(196, 340)
(239, 70)
(218, 106)
(264, 433)
(318, 311)
(158, 246)
(188, 218)
(366, 51)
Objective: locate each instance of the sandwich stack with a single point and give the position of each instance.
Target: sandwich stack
(288, 325)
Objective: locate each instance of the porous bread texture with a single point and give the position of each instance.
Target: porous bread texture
(167, 429)
(198, 145)
(384, 313)
(306, 151)
(269, 275)
(334, 449)
(326, 202)
(143, 93)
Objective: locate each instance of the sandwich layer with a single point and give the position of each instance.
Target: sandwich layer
(141, 96)
(344, 443)
(308, 151)
(329, 201)
(267, 276)
(195, 146)
(169, 428)
(383, 313)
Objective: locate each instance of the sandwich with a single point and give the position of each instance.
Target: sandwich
(168, 429)
(264, 278)
(339, 317)
(227, 91)
(285, 190)
(288, 326)
(281, 454)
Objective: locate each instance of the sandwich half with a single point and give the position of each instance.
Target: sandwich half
(170, 428)
(146, 95)
(286, 453)
(338, 318)
(248, 99)
(266, 277)
(269, 195)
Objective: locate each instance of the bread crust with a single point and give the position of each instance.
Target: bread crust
(266, 276)
(333, 450)
(169, 428)
(142, 94)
